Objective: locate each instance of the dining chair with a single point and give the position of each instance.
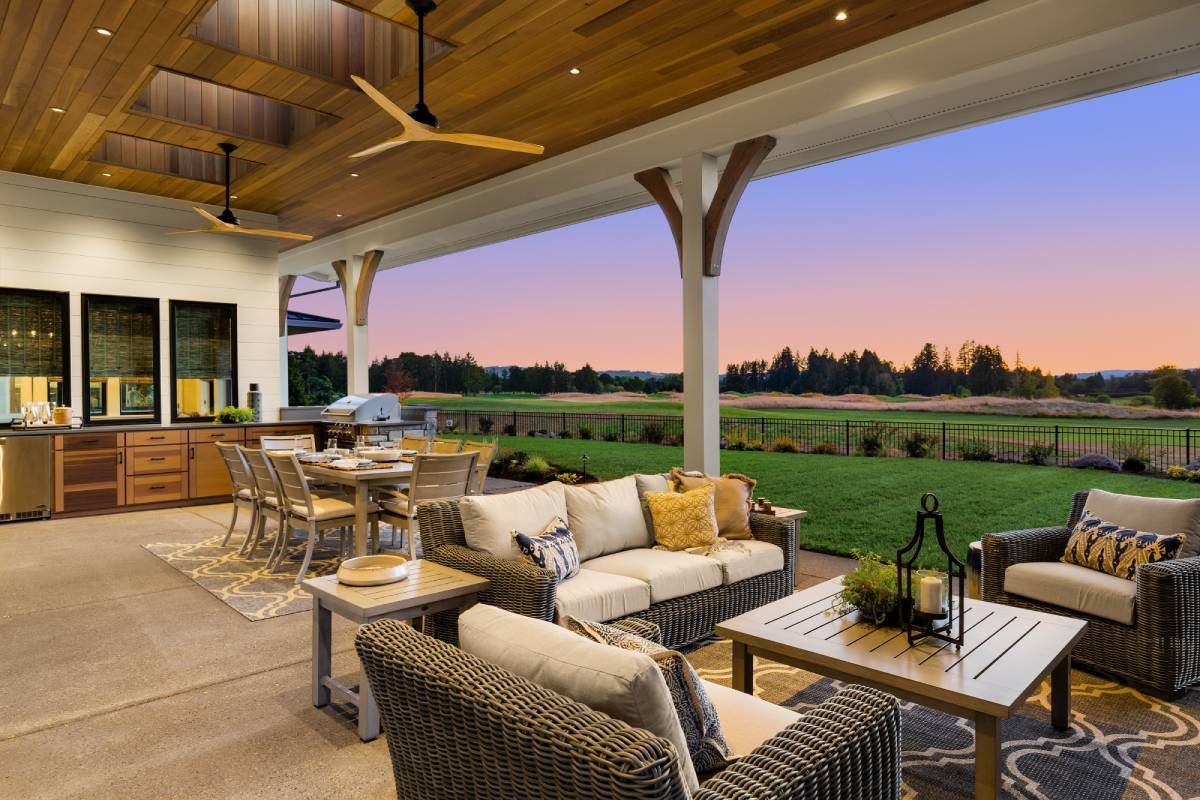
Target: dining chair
(266, 494)
(487, 451)
(298, 504)
(411, 441)
(446, 446)
(302, 441)
(434, 477)
(244, 493)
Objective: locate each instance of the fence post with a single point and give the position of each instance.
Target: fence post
(1187, 448)
(562, 426)
(514, 423)
(762, 430)
(943, 441)
(622, 427)
(1057, 457)
(847, 437)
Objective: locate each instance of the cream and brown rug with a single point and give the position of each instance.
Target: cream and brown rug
(245, 584)
(1123, 745)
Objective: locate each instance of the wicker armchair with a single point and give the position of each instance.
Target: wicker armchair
(460, 727)
(1160, 651)
(522, 588)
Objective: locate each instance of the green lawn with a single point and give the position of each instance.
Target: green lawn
(870, 503)
(499, 403)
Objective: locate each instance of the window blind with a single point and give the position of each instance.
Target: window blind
(121, 333)
(203, 341)
(31, 339)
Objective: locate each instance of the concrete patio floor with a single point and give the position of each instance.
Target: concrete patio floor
(123, 678)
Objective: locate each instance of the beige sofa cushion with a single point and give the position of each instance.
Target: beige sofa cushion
(747, 559)
(747, 721)
(669, 574)
(600, 596)
(1074, 587)
(607, 517)
(1153, 514)
(652, 483)
(621, 683)
(489, 520)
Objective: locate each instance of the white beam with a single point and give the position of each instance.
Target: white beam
(701, 393)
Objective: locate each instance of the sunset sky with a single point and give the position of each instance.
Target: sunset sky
(1071, 236)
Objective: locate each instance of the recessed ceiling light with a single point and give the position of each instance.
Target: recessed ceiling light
(106, 174)
(575, 70)
(841, 16)
(233, 197)
(353, 174)
(58, 109)
(339, 215)
(104, 31)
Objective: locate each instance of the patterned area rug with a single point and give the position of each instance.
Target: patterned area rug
(244, 584)
(1123, 745)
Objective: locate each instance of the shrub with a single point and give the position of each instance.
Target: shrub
(873, 440)
(509, 429)
(1194, 477)
(1194, 466)
(653, 433)
(585, 432)
(919, 444)
(1178, 473)
(565, 433)
(1096, 461)
(568, 478)
(975, 450)
(537, 467)
(826, 449)
(485, 425)
(742, 441)
(1134, 459)
(1171, 390)
(1039, 454)
(784, 444)
(871, 588)
(610, 436)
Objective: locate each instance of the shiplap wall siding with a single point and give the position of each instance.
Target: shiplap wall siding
(64, 236)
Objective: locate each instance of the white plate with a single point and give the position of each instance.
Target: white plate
(383, 455)
(372, 570)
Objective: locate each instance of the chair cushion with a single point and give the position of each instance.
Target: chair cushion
(489, 520)
(1074, 587)
(683, 520)
(607, 517)
(697, 717)
(669, 574)
(621, 683)
(652, 483)
(553, 548)
(245, 494)
(733, 494)
(1116, 550)
(746, 720)
(327, 508)
(1154, 514)
(394, 504)
(746, 559)
(600, 596)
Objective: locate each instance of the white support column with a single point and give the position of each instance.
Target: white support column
(356, 335)
(283, 370)
(701, 392)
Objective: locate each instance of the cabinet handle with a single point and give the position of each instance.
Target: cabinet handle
(120, 456)
(157, 487)
(155, 438)
(159, 458)
(192, 454)
(89, 441)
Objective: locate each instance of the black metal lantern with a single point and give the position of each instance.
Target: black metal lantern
(931, 612)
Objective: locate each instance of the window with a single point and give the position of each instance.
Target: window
(33, 350)
(120, 359)
(203, 358)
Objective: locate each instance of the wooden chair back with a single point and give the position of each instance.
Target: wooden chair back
(303, 441)
(261, 471)
(413, 442)
(446, 446)
(440, 476)
(487, 451)
(239, 470)
(292, 485)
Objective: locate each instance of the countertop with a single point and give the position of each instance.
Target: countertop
(4, 431)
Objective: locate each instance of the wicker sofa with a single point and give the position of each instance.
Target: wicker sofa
(520, 587)
(461, 727)
(1153, 640)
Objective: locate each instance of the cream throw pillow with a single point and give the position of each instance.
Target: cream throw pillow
(607, 517)
(684, 519)
(733, 499)
(489, 520)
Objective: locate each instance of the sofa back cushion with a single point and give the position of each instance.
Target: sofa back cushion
(1152, 514)
(621, 683)
(607, 517)
(489, 520)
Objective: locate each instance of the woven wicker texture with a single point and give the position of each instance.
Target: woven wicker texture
(459, 727)
(522, 588)
(1160, 651)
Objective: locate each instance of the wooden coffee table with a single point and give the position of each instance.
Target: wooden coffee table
(1007, 653)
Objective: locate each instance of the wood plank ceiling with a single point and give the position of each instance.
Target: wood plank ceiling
(499, 67)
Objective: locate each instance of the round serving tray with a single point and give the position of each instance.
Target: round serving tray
(372, 570)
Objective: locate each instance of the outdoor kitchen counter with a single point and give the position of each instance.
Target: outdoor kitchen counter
(119, 428)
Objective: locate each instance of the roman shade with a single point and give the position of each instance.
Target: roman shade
(34, 329)
(204, 340)
(121, 336)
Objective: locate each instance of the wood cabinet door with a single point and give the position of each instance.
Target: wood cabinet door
(207, 475)
(88, 480)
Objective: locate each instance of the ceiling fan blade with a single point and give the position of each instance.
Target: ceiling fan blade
(491, 142)
(386, 104)
(216, 222)
(269, 233)
(195, 230)
(395, 141)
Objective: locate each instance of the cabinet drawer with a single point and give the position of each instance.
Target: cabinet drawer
(143, 438)
(215, 435)
(156, 488)
(254, 434)
(146, 460)
(91, 441)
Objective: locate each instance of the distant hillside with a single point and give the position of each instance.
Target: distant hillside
(645, 375)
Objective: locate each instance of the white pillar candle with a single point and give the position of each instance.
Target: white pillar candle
(931, 595)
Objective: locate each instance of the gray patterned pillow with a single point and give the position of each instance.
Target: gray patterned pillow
(701, 728)
(552, 548)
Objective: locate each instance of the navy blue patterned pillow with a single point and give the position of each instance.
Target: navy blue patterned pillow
(554, 548)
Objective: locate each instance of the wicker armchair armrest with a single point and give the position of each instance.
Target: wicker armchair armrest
(848, 746)
(782, 534)
(1002, 550)
(640, 627)
(517, 586)
(1168, 599)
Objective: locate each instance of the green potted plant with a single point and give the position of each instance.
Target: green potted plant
(870, 589)
(233, 415)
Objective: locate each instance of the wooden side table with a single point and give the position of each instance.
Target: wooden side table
(428, 589)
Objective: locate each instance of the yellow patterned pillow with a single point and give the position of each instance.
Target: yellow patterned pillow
(684, 519)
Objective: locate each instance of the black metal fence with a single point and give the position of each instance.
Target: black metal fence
(1060, 444)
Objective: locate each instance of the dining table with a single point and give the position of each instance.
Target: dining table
(365, 483)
